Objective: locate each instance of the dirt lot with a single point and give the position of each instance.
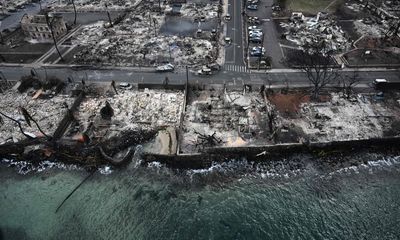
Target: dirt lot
(311, 6)
(375, 57)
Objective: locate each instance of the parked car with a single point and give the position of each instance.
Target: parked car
(214, 66)
(276, 8)
(227, 17)
(379, 83)
(254, 20)
(255, 34)
(255, 39)
(254, 28)
(125, 85)
(257, 51)
(252, 7)
(165, 68)
(204, 71)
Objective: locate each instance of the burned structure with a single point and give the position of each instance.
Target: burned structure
(37, 27)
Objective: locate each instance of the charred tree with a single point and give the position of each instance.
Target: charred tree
(144, 51)
(204, 140)
(28, 118)
(15, 121)
(73, 5)
(107, 112)
(114, 87)
(316, 62)
(348, 83)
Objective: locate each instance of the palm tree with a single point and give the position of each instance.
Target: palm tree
(73, 4)
(108, 14)
(49, 21)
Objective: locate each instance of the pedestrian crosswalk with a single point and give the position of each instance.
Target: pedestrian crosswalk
(236, 68)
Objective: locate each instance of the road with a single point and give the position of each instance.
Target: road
(234, 52)
(293, 77)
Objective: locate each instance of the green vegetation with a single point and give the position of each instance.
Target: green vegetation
(310, 6)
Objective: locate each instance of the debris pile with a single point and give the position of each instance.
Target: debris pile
(11, 6)
(382, 20)
(95, 5)
(47, 112)
(200, 11)
(344, 119)
(137, 41)
(131, 110)
(222, 118)
(315, 30)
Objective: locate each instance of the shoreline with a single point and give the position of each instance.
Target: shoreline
(89, 139)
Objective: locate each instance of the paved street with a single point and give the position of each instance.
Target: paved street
(230, 78)
(234, 52)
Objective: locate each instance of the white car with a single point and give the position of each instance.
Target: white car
(255, 34)
(228, 40)
(204, 71)
(255, 28)
(165, 68)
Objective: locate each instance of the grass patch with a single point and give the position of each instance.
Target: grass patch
(311, 6)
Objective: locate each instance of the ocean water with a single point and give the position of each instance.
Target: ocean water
(236, 200)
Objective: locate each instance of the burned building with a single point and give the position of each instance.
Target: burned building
(38, 27)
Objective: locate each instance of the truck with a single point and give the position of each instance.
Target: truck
(383, 84)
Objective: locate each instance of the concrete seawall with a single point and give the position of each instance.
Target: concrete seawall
(270, 152)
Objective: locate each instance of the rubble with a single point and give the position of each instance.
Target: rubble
(132, 110)
(47, 112)
(11, 6)
(137, 41)
(343, 119)
(382, 15)
(95, 5)
(308, 30)
(224, 118)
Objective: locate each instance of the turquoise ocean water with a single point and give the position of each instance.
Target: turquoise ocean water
(237, 200)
